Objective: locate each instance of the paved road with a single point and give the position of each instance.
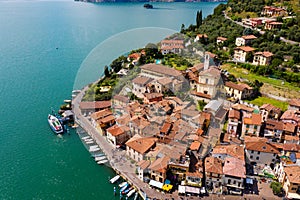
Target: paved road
(261, 32)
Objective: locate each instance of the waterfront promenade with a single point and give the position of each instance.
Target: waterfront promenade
(117, 158)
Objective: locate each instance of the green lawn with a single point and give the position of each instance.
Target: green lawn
(263, 100)
(243, 73)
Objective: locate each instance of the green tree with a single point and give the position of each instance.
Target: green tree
(106, 71)
(199, 19)
(276, 187)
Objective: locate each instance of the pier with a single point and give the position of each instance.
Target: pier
(117, 159)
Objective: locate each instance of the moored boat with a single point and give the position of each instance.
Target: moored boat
(114, 179)
(127, 190)
(100, 158)
(122, 184)
(55, 124)
(131, 192)
(124, 187)
(102, 162)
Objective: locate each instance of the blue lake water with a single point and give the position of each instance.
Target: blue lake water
(43, 45)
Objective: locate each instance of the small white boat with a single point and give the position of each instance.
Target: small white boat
(55, 124)
(89, 139)
(94, 149)
(97, 155)
(136, 196)
(100, 158)
(86, 137)
(94, 146)
(114, 179)
(131, 192)
(90, 142)
(102, 162)
(122, 184)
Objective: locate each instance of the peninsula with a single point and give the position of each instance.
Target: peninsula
(201, 113)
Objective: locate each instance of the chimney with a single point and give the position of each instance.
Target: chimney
(206, 61)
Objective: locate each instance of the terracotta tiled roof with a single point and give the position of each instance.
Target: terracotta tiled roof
(101, 114)
(255, 119)
(164, 81)
(290, 115)
(106, 119)
(234, 114)
(153, 95)
(202, 35)
(124, 120)
(293, 173)
(161, 69)
(274, 124)
(221, 38)
(172, 42)
(213, 165)
(249, 37)
(141, 80)
(270, 107)
(195, 146)
(200, 94)
(166, 127)
(295, 102)
(242, 107)
(291, 147)
(160, 164)
(232, 150)
(140, 122)
(141, 145)
(144, 164)
(245, 48)
(95, 104)
(261, 146)
(234, 167)
(289, 127)
(212, 71)
(291, 138)
(240, 86)
(264, 54)
(121, 98)
(134, 56)
(115, 130)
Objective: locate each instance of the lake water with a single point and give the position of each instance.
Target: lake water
(43, 45)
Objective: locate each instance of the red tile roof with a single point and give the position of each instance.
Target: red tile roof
(264, 54)
(195, 146)
(94, 104)
(249, 37)
(245, 48)
(261, 146)
(232, 150)
(240, 86)
(141, 145)
(234, 167)
(115, 130)
(221, 38)
(293, 173)
(213, 165)
(141, 80)
(255, 119)
(234, 114)
(295, 102)
(161, 69)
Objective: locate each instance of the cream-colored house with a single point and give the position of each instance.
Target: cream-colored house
(140, 85)
(262, 58)
(240, 53)
(244, 40)
(234, 117)
(258, 150)
(137, 147)
(251, 125)
(213, 174)
(158, 169)
(238, 91)
(289, 177)
(117, 135)
(234, 171)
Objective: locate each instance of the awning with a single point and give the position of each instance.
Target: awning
(193, 190)
(249, 181)
(181, 189)
(167, 181)
(293, 195)
(156, 184)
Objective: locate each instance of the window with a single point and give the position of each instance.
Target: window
(229, 181)
(252, 151)
(234, 182)
(257, 158)
(206, 80)
(247, 125)
(255, 126)
(251, 157)
(258, 152)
